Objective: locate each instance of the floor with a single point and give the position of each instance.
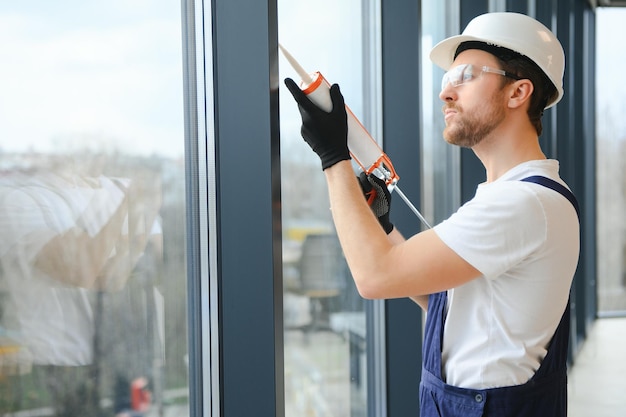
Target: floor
(597, 380)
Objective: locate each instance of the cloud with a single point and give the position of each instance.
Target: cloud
(117, 81)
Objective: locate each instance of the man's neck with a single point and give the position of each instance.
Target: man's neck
(499, 154)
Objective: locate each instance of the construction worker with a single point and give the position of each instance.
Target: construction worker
(495, 276)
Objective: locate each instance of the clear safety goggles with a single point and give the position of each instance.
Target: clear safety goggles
(465, 73)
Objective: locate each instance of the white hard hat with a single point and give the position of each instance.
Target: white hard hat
(514, 31)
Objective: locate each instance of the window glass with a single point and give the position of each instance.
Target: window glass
(610, 154)
(92, 260)
(440, 161)
(324, 317)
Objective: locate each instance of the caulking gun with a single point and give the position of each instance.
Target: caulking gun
(363, 148)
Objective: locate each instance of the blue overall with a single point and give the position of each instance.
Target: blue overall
(545, 394)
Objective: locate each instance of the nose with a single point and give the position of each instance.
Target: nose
(448, 93)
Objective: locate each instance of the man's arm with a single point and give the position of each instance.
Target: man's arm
(396, 238)
(416, 267)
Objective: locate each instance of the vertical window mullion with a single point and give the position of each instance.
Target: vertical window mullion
(245, 103)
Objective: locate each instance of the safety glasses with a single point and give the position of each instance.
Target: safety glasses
(462, 74)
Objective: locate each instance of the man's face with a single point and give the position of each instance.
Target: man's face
(473, 110)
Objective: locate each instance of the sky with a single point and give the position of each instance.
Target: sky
(107, 75)
(90, 73)
(325, 41)
(110, 73)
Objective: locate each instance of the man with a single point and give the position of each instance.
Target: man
(67, 238)
(495, 276)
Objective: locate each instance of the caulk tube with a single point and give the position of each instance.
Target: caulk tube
(363, 148)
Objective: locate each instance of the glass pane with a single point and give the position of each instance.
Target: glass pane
(611, 154)
(92, 260)
(324, 317)
(437, 178)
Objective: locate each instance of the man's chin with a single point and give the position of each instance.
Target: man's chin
(449, 136)
(455, 140)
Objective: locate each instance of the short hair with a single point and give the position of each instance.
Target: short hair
(515, 63)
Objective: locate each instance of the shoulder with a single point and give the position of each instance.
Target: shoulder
(502, 204)
(502, 224)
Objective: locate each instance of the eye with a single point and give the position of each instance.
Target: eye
(456, 76)
(467, 74)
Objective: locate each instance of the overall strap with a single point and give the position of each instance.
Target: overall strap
(550, 183)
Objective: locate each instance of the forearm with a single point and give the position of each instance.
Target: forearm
(363, 240)
(366, 246)
(75, 257)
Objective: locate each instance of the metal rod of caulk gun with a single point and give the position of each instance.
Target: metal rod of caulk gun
(382, 173)
(411, 206)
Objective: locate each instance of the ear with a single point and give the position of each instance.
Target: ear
(520, 92)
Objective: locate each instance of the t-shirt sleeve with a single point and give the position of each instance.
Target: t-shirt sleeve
(498, 228)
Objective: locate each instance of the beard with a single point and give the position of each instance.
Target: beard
(469, 129)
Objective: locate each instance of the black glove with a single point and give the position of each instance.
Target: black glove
(326, 133)
(378, 198)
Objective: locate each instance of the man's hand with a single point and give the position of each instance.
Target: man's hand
(326, 133)
(378, 198)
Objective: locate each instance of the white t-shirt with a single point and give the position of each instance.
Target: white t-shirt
(524, 239)
(51, 319)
